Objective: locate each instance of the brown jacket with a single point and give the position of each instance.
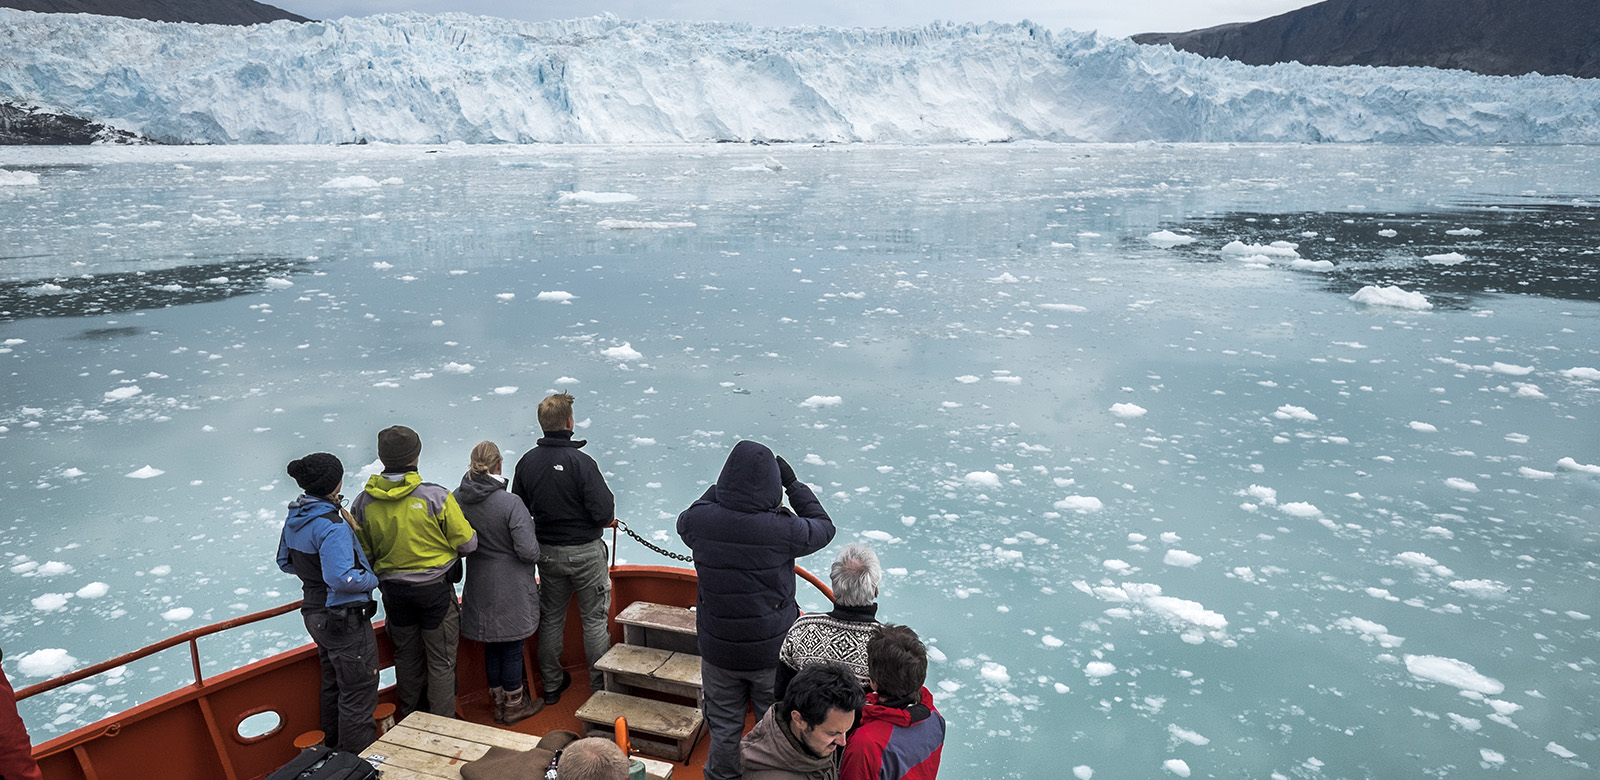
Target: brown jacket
(770, 752)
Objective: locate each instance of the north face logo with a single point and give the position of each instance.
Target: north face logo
(559, 467)
(418, 505)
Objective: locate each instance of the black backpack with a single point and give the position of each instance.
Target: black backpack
(324, 763)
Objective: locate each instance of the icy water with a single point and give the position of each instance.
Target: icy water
(1162, 507)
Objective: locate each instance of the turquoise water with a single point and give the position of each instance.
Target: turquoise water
(1149, 505)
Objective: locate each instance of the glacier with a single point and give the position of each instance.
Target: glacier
(413, 78)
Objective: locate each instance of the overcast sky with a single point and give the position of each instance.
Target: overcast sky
(1113, 17)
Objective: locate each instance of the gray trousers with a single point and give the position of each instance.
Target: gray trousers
(564, 572)
(424, 656)
(348, 653)
(727, 693)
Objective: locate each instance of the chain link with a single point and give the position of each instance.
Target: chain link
(652, 547)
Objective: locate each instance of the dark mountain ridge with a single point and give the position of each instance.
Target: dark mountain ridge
(198, 11)
(1493, 37)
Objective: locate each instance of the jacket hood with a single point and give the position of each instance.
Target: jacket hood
(749, 480)
(379, 486)
(770, 746)
(918, 710)
(475, 488)
(305, 509)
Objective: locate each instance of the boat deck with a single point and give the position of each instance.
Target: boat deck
(428, 747)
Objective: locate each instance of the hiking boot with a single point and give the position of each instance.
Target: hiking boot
(551, 696)
(519, 706)
(499, 695)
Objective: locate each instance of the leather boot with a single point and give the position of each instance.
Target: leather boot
(520, 706)
(499, 695)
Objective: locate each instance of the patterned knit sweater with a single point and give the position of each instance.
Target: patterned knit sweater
(840, 635)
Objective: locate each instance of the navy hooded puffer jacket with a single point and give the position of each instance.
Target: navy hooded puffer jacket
(745, 543)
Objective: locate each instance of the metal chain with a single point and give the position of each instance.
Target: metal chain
(643, 541)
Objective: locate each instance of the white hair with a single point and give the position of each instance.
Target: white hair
(856, 576)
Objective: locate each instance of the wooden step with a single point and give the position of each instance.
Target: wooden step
(655, 728)
(648, 624)
(631, 666)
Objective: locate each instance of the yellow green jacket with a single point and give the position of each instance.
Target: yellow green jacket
(410, 527)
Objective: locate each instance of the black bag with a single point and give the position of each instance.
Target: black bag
(324, 763)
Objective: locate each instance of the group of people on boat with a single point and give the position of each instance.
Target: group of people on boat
(829, 690)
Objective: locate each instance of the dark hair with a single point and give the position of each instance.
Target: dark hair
(896, 661)
(819, 688)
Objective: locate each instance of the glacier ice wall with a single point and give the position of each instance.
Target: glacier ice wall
(412, 78)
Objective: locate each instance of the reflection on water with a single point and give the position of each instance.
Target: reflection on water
(1551, 250)
(112, 293)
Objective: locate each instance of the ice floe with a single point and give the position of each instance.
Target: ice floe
(1391, 296)
(1453, 672)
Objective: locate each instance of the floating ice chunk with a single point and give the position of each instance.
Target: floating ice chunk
(1300, 509)
(878, 536)
(558, 296)
(1072, 307)
(622, 353)
(1491, 758)
(1127, 411)
(1452, 672)
(1116, 565)
(1051, 641)
(1167, 239)
(458, 368)
(629, 224)
(1191, 737)
(1289, 412)
(1482, 588)
(1391, 296)
(380, 265)
(1081, 772)
(48, 662)
(93, 590)
(1280, 249)
(819, 401)
(145, 473)
(53, 569)
(597, 198)
(1079, 504)
(983, 479)
(506, 390)
(1176, 766)
(967, 379)
(1181, 559)
(1316, 266)
(72, 472)
(1448, 258)
(51, 602)
(122, 393)
(18, 178)
(351, 183)
(505, 296)
(1099, 669)
(1568, 464)
(161, 570)
(15, 342)
(1417, 559)
(1388, 233)
(178, 613)
(1265, 495)
(1007, 379)
(643, 441)
(1582, 374)
(277, 283)
(1369, 630)
(1560, 751)
(1422, 427)
(949, 686)
(994, 673)
(1464, 232)
(1535, 473)
(1525, 390)
(1512, 370)
(1003, 278)
(1463, 485)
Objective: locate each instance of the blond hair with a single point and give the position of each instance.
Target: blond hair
(555, 412)
(484, 457)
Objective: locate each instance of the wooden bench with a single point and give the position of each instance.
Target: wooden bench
(657, 625)
(428, 747)
(632, 666)
(656, 728)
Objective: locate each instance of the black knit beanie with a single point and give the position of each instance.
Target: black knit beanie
(398, 447)
(318, 474)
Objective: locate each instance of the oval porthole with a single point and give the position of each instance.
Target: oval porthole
(258, 726)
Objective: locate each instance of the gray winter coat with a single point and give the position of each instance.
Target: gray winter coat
(500, 602)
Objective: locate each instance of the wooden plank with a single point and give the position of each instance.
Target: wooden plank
(657, 770)
(400, 761)
(449, 747)
(633, 660)
(644, 715)
(471, 732)
(658, 616)
(681, 668)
